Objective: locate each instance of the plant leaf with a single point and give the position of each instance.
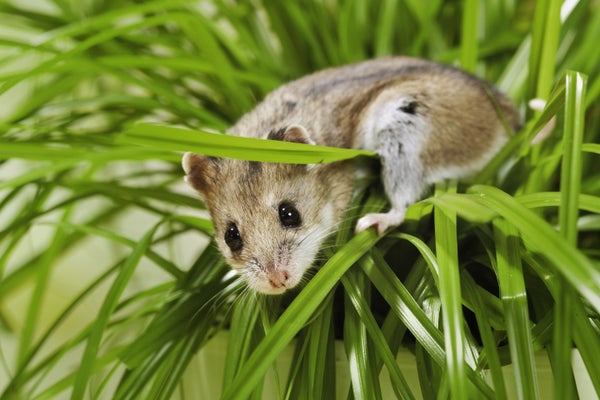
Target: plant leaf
(244, 148)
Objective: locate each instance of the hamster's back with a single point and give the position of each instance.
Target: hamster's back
(330, 103)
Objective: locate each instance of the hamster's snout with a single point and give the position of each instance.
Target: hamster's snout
(271, 277)
(278, 278)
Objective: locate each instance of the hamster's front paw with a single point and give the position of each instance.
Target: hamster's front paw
(382, 221)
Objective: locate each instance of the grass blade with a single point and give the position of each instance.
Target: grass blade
(88, 360)
(484, 324)
(469, 35)
(245, 148)
(319, 365)
(361, 358)
(446, 248)
(514, 298)
(399, 384)
(242, 337)
(545, 33)
(568, 214)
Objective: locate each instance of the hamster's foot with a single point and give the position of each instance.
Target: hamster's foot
(382, 221)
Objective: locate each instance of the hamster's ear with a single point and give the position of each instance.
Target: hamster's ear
(201, 172)
(298, 134)
(293, 133)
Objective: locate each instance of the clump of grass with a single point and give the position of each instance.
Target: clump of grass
(484, 273)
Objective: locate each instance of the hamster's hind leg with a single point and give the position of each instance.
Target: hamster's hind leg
(404, 183)
(399, 132)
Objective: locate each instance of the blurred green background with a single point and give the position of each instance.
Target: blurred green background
(108, 288)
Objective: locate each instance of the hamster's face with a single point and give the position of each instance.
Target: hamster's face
(271, 219)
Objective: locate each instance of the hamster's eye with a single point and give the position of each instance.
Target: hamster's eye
(233, 239)
(289, 215)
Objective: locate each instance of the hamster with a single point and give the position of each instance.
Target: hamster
(426, 122)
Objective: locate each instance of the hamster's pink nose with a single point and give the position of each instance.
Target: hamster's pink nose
(278, 278)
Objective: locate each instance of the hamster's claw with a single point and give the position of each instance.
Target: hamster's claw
(381, 221)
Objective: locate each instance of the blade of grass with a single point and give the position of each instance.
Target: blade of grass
(490, 345)
(429, 373)
(28, 267)
(201, 292)
(47, 364)
(168, 376)
(586, 202)
(384, 29)
(591, 148)
(399, 383)
(568, 213)
(24, 373)
(469, 35)
(295, 388)
(92, 41)
(187, 65)
(242, 336)
(425, 251)
(545, 31)
(550, 38)
(514, 298)
(446, 247)
(430, 31)
(542, 63)
(572, 162)
(245, 148)
(320, 355)
(159, 260)
(183, 326)
(513, 78)
(584, 333)
(39, 291)
(364, 378)
(84, 26)
(63, 158)
(65, 383)
(88, 360)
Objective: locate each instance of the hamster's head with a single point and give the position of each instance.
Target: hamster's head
(270, 219)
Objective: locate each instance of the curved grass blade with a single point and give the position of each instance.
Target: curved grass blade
(399, 383)
(591, 148)
(586, 202)
(425, 251)
(88, 360)
(541, 237)
(244, 148)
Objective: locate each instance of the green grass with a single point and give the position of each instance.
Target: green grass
(110, 283)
